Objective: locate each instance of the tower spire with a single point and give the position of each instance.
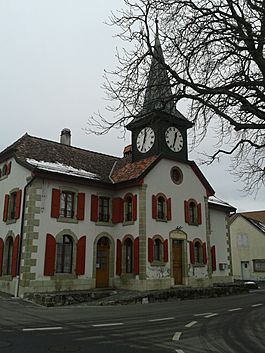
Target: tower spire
(158, 94)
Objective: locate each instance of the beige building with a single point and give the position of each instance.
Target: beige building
(248, 246)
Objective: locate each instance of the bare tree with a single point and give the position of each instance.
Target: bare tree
(215, 57)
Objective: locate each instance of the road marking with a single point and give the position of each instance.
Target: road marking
(89, 338)
(211, 315)
(192, 323)
(235, 309)
(42, 328)
(255, 305)
(176, 336)
(110, 324)
(162, 319)
(202, 314)
(179, 351)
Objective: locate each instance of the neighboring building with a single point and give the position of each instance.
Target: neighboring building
(248, 246)
(75, 219)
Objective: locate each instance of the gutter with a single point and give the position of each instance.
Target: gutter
(21, 234)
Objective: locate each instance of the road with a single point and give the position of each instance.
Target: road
(234, 324)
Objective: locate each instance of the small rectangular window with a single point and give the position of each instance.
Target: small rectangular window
(67, 204)
(103, 209)
(12, 205)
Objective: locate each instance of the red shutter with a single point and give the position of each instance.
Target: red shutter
(118, 258)
(192, 256)
(49, 263)
(154, 207)
(55, 209)
(165, 245)
(1, 255)
(117, 210)
(169, 209)
(150, 250)
(14, 257)
(94, 208)
(5, 213)
(199, 213)
(8, 168)
(186, 210)
(18, 202)
(80, 214)
(134, 208)
(81, 256)
(204, 253)
(136, 256)
(213, 254)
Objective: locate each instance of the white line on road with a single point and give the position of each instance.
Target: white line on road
(179, 351)
(202, 314)
(162, 319)
(192, 323)
(110, 324)
(176, 336)
(235, 309)
(211, 315)
(42, 328)
(255, 305)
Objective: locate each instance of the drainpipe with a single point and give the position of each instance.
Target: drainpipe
(21, 235)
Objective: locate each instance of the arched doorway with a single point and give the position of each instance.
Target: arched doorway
(102, 263)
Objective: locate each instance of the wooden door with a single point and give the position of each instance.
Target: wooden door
(177, 260)
(102, 263)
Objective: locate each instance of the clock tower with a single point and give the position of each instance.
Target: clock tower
(159, 128)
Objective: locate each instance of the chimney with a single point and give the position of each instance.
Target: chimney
(66, 137)
(127, 151)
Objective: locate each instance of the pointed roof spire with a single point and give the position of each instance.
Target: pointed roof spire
(158, 94)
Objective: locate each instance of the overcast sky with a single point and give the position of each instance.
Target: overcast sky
(52, 57)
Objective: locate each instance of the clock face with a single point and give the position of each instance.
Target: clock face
(145, 139)
(174, 139)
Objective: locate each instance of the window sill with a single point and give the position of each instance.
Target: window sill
(199, 265)
(6, 278)
(3, 177)
(157, 263)
(64, 276)
(161, 220)
(104, 224)
(128, 223)
(67, 220)
(11, 221)
(193, 224)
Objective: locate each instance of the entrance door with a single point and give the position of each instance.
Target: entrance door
(245, 270)
(177, 260)
(102, 263)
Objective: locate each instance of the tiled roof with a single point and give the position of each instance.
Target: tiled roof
(126, 170)
(37, 149)
(257, 215)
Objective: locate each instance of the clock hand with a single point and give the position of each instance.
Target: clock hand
(175, 139)
(145, 133)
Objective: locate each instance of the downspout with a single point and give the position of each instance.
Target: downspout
(21, 234)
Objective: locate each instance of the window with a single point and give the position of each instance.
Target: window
(176, 175)
(193, 213)
(64, 254)
(12, 203)
(128, 208)
(158, 250)
(161, 207)
(198, 252)
(128, 244)
(8, 254)
(67, 204)
(103, 209)
(259, 265)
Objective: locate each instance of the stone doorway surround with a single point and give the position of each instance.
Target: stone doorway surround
(182, 236)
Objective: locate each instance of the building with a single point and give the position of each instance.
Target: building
(74, 219)
(248, 246)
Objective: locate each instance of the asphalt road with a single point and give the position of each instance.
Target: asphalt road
(234, 324)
